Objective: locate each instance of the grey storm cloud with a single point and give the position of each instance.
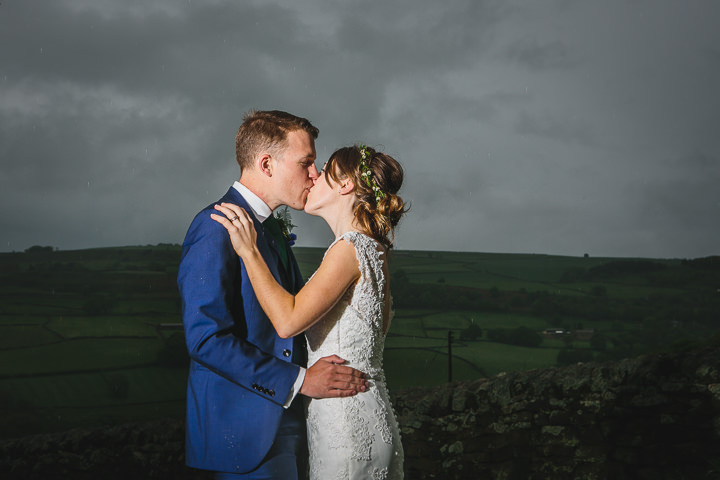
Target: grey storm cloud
(543, 127)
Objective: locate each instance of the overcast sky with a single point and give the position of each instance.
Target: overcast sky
(558, 127)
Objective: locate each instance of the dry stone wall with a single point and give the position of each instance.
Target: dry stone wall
(653, 417)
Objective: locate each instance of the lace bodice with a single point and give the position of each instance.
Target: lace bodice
(355, 437)
(353, 329)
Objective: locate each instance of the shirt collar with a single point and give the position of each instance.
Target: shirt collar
(260, 209)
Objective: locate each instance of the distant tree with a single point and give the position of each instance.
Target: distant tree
(624, 267)
(521, 336)
(545, 306)
(499, 335)
(598, 342)
(472, 332)
(572, 274)
(525, 337)
(570, 356)
(39, 249)
(518, 301)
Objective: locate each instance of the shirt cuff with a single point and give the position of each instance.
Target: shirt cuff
(295, 388)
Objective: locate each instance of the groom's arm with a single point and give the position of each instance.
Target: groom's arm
(206, 280)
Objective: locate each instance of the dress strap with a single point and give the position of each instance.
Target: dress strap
(350, 235)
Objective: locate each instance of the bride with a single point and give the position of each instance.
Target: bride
(344, 309)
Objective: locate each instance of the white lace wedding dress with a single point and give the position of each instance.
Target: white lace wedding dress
(355, 437)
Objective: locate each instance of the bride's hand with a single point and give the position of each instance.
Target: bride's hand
(240, 226)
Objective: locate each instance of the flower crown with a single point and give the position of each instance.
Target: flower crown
(367, 174)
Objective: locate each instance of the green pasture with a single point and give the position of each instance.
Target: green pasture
(31, 420)
(30, 305)
(80, 355)
(407, 342)
(25, 335)
(407, 367)
(426, 323)
(493, 358)
(80, 331)
(431, 323)
(629, 291)
(70, 417)
(531, 268)
(21, 318)
(411, 366)
(162, 307)
(104, 326)
(65, 418)
(113, 387)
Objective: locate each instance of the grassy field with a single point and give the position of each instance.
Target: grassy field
(91, 337)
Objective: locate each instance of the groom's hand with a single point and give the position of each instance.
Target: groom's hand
(328, 378)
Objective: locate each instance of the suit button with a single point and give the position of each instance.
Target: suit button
(255, 386)
(271, 393)
(286, 352)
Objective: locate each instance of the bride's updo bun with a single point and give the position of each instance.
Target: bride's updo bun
(377, 178)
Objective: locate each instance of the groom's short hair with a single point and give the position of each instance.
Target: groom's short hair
(266, 131)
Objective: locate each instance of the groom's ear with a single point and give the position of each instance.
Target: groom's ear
(265, 164)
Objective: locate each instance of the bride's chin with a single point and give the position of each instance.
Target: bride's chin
(310, 210)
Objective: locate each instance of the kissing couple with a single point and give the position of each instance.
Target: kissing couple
(286, 377)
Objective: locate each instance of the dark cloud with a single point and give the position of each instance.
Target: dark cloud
(559, 128)
(538, 56)
(553, 126)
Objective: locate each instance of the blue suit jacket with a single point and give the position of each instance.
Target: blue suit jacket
(240, 370)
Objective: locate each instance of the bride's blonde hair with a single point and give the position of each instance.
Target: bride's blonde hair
(377, 178)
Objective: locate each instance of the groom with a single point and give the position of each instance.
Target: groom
(244, 419)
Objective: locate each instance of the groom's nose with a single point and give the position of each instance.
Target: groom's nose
(313, 173)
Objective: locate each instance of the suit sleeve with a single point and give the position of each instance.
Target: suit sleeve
(214, 311)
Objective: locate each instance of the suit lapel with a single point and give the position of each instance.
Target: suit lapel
(291, 280)
(265, 242)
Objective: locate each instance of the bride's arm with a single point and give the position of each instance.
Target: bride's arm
(290, 314)
(293, 314)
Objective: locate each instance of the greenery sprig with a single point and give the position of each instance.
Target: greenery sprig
(282, 215)
(367, 174)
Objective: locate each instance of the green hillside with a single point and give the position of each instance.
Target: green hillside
(92, 337)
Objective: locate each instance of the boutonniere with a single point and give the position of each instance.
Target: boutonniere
(282, 215)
